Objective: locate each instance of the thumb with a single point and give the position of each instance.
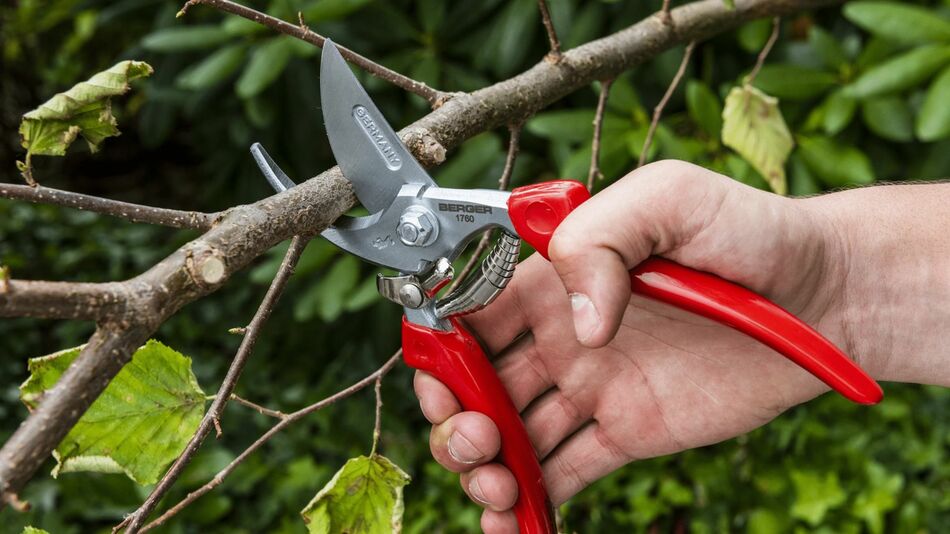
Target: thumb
(596, 279)
(650, 211)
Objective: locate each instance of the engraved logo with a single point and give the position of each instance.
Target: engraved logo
(382, 242)
(383, 145)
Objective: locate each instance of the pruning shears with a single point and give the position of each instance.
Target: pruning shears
(418, 229)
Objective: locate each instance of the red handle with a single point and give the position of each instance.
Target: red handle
(457, 360)
(536, 211)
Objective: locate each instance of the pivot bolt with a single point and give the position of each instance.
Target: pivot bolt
(418, 227)
(410, 296)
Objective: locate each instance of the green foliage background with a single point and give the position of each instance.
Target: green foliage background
(222, 83)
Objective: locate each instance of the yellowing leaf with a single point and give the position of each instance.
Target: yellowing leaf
(753, 126)
(364, 497)
(84, 110)
(140, 423)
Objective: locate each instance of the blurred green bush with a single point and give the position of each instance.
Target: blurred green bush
(864, 90)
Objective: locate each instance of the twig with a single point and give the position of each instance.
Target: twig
(286, 421)
(658, 110)
(276, 414)
(123, 210)
(302, 32)
(764, 53)
(243, 233)
(594, 171)
(665, 13)
(210, 420)
(514, 138)
(555, 54)
(378, 425)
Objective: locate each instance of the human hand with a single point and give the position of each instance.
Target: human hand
(603, 378)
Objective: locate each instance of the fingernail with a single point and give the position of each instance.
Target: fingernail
(475, 491)
(425, 412)
(462, 450)
(586, 318)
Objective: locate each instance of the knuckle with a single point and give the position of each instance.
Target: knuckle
(564, 246)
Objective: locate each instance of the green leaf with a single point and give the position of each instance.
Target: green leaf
(364, 295)
(753, 35)
(473, 162)
(140, 423)
(331, 10)
(731, 4)
(753, 126)
(704, 107)
(214, 69)
(364, 497)
(181, 38)
(801, 181)
(623, 98)
(33, 530)
(901, 72)
(267, 63)
(838, 112)
(898, 21)
(889, 117)
(835, 164)
(238, 27)
(815, 495)
(85, 109)
(575, 125)
(878, 497)
(765, 521)
(827, 47)
(933, 120)
(328, 296)
(792, 82)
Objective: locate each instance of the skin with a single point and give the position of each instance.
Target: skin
(603, 378)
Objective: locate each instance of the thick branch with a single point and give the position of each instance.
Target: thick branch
(302, 32)
(245, 232)
(61, 300)
(123, 210)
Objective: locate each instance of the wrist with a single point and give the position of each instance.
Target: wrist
(893, 281)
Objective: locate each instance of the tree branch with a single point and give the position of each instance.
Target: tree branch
(764, 53)
(302, 32)
(555, 54)
(594, 171)
(665, 13)
(131, 212)
(276, 414)
(61, 300)
(285, 422)
(378, 424)
(658, 110)
(210, 420)
(244, 232)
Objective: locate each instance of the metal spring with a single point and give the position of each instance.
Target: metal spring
(483, 286)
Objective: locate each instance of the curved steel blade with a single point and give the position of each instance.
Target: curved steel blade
(367, 149)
